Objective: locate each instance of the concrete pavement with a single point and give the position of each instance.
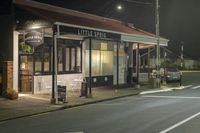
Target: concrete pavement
(28, 104)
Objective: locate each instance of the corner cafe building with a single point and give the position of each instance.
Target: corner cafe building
(83, 46)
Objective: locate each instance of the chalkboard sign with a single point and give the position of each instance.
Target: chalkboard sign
(61, 93)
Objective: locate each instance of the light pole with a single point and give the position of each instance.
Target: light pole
(54, 99)
(158, 44)
(182, 55)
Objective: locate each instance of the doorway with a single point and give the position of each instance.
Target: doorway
(25, 73)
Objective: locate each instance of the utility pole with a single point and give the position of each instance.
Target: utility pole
(137, 65)
(181, 55)
(158, 44)
(54, 99)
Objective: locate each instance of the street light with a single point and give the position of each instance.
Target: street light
(119, 7)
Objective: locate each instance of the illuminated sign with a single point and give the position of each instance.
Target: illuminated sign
(34, 38)
(88, 33)
(91, 33)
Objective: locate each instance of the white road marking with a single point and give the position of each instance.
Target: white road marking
(187, 86)
(156, 91)
(165, 90)
(75, 132)
(196, 87)
(181, 87)
(175, 97)
(180, 123)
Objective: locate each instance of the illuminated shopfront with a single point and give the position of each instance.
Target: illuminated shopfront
(87, 46)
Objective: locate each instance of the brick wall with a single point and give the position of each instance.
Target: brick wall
(7, 74)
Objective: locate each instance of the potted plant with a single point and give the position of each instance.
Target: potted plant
(25, 48)
(10, 93)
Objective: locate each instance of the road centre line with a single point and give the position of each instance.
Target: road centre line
(75, 132)
(155, 91)
(196, 87)
(165, 90)
(181, 87)
(180, 123)
(187, 86)
(175, 97)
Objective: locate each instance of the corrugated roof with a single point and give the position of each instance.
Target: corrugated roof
(58, 14)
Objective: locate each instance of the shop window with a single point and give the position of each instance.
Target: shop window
(104, 46)
(96, 62)
(60, 59)
(38, 62)
(67, 67)
(47, 58)
(73, 57)
(78, 60)
(86, 62)
(69, 57)
(106, 62)
(102, 59)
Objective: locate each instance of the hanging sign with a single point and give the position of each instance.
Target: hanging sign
(34, 38)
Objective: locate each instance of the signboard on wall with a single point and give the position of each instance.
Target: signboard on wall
(88, 33)
(34, 38)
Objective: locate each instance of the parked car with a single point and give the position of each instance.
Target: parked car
(171, 74)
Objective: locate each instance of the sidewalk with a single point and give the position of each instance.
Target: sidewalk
(28, 104)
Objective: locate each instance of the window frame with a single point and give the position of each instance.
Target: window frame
(63, 43)
(70, 71)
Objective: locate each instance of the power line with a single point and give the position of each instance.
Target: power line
(139, 2)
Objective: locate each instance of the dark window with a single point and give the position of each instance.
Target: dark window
(42, 58)
(73, 59)
(46, 59)
(38, 62)
(69, 57)
(60, 59)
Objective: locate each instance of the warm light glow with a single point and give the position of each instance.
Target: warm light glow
(35, 26)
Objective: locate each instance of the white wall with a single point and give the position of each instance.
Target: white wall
(43, 84)
(15, 60)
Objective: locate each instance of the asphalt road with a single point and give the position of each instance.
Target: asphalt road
(173, 112)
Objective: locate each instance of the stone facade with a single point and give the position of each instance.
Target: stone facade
(7, 72)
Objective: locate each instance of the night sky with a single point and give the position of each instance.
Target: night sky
(179, 19)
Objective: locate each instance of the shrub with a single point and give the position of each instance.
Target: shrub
(10, 93)
(23, 47)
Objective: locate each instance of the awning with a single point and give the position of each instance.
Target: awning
(144, 39)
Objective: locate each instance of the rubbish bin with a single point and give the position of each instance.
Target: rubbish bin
(84, 89)
(61, 93)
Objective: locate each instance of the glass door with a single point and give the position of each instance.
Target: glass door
(26, 73)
